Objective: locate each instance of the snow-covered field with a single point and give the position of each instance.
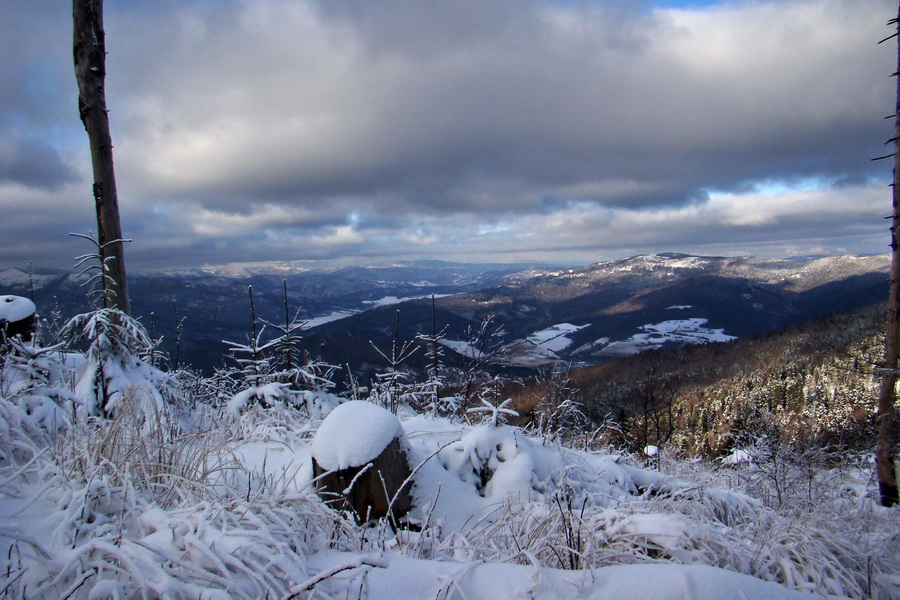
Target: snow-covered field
(541, 347)
(655, 335)
(189, 500)
(390, 300)
(336, 315)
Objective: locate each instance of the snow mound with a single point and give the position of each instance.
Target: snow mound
(409, 578)
(16, 308)
(353, 434)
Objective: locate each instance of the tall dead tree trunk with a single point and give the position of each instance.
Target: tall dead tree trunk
(90, 72)
(886, 441)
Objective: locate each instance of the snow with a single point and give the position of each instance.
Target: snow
(336, 315)
(16, 308)
(220, 504)
(554, 338)
(461, 347)
(17, 278)
(542, 346)
(343, 313)
(353, 434)
(678, 331)
(410, 578)
(390, 300)
(737, 456)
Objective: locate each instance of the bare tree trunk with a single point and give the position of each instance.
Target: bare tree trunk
(886, 441)
(90, 72)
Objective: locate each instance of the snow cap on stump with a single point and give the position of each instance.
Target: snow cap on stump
(354, 434)
(18, 316)
(360, 460)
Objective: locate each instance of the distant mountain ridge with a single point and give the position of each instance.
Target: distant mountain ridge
(583, 316)
(650, 300)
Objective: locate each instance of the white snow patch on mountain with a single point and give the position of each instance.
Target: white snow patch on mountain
(541, 347)
(332, 316)
(389, 300)
(16, 277)
(462, 347)
(681, 331)
(555, 338)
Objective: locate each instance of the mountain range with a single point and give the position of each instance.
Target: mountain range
(541, 316)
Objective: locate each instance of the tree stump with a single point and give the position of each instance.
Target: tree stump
(362, 452)
(18, 317)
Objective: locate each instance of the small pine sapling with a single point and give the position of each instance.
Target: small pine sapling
(176, 359)
(297, 370)
(97, 271)
(253, 364)
(497, 412)
(115, 341)
(255, 368)
(390, 387)
(484, 343)
(432, 401)
(152, 354)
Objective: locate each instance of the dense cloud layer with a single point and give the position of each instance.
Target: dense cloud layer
(290, 130)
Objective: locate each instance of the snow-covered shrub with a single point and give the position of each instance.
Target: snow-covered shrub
(254, 367)
(36, 379)
(392, 387)
(312, 404)
(782, 475)
(556, 414)
(112, 368)
(274, 374)
(488, 457)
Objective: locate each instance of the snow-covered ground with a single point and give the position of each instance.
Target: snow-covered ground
(196, 502)
(336, 315)
(390, 300)
(366, 305)
(541, 347)
(462, 347)
(656, 335)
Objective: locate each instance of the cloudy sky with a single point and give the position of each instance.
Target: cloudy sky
(362, 131)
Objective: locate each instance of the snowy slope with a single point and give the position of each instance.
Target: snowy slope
(196, 500)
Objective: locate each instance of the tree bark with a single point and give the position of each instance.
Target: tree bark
(90, 72)
(887, 435)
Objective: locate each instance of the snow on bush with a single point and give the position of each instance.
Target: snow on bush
(112, 367)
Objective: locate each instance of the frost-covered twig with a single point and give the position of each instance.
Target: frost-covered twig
(496, 411)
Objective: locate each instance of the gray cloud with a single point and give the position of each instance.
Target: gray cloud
(33, 163)
(287, 130)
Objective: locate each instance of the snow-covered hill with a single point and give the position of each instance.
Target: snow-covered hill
(612, 309)
(193, 501)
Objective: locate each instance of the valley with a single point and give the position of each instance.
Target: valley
(541, 317)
